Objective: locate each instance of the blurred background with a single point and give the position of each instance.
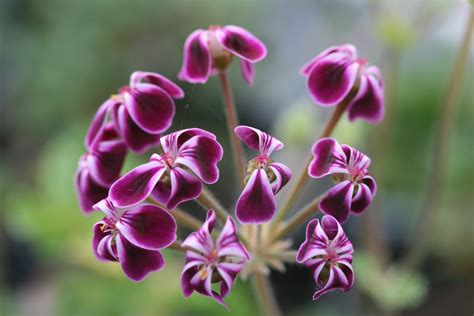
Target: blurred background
(60, 59)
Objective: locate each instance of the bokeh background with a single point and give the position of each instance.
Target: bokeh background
(60, 59)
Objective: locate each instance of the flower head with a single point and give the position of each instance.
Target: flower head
(190, 156)
(332, 75)
(355, 188)
(100, 166)
(265, 178)
(207, 52)
(141, 110)
(133, 237)
(328, 253)
(211, 261)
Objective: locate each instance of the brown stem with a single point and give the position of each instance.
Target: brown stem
(208, 200)
(299, 218)
(265, 296)
(433, 191)
(232, 123)
(185, 219)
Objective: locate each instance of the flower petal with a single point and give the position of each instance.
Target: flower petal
(348, 49)
(361, 199)
(99, 121)
(201, 154)
(148, 226)
(150, 107)
(282, 174)
(256, 204)
(184, 187)
(248, 71)
(331, 78)
(241, 43)
(368, 104)
(337, 202)
(135, 186)
(106, 161)
(197, 58)
(329, 158)
(136, 139)
(137, 262)
(172, 143)
(312, 246)
(228, 243)
(201, 240)
(158, 80)
(102, 244)
(257, 140)
(87, 190)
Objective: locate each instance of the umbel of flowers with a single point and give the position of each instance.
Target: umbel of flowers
(140, 207)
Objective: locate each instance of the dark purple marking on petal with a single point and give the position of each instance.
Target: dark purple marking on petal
(256, 204)
(101, 244)
(241, 43)
(148, 226)
(197, 58)
(361, 199)
(184, 187)
(106, 161)
(337, 202)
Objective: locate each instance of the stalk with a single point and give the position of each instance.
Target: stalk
(232, 123)
(265, 296)
(208, 200)
(434, 187)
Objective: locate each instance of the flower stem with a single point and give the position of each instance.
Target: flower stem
(208, 200)
(232, 122)
(185, 219)
(431, 200)
(330, 125)
(299, 218)
(265, 296)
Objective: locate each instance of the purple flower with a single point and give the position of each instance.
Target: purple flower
(355, 188)
(328, 253)
(265, 178)
(100, 166)
(208, 51)
(209, 261)
(133, 237)
(142, 110)
(190, 156)
(331, 75)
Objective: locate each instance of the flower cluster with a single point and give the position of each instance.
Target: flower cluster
(140, 207)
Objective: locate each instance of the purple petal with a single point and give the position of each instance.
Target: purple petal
(368, 104)
(184, 187)
(330, 226)
(172, 143)
(87, 190)
(283, 176)
(150, 107)
(98, 122)
(329, 158)
(106, 161)
(331, 79)
(201, 154)
(136, 262)
(370, 182)
(248, 71)
(341, 277)
(228, 243)
(241, 43)
(158, 80)
(197, 58)
(348, 49)
(361, 199)
(201, 240)
(257, 140)
(135, 186)
(148, 226)
(102, 244)
(162, 191)
(337, 202)
(256, 204)
(136, 139)
(310, 248)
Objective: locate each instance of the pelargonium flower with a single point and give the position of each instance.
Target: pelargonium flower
(141, 110)
(331, 76)
(133, 237)
(265, 178)
(328, 253)
(209, 261)
(190, 156)
(206, 52)
(355, 188)
(100, 166)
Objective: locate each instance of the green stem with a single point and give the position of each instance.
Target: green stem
(232, 123)
(265, 296)
(208, 200)
(431, 200)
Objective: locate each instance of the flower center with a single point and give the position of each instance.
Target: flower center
(168, 160)
(331, 256)
(261, 160)
(109, 224)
